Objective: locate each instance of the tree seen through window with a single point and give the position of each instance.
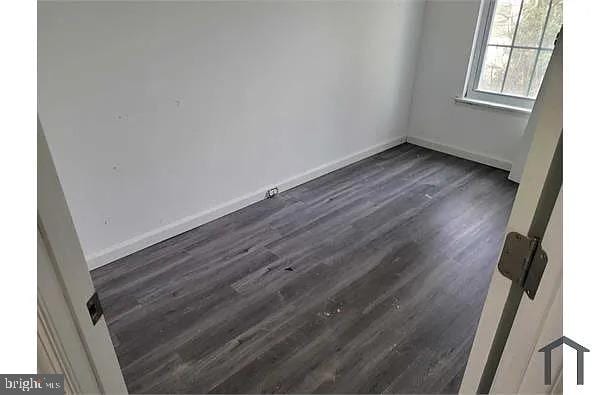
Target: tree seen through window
(519, 45)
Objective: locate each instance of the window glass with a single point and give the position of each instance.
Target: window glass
(554, 24)
(494, 66)
(531, 23)
(520, 70)
(504, 22)
(538, 75)
(516, 49)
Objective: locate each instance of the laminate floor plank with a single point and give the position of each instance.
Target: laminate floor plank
(369, 279)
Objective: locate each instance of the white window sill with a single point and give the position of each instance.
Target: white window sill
(488, 104)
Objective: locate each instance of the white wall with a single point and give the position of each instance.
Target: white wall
(488, 135)
(162, 116)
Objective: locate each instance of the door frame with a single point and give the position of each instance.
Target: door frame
(68, 341)
(542, 318)
(535, 199)
(60, 349)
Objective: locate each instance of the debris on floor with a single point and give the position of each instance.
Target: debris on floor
(333, 312)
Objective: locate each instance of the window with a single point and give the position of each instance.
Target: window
(512, 50)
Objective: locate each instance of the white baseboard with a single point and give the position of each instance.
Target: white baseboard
(461, 153)
(147, 239)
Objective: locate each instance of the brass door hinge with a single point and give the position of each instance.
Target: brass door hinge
(523, 261)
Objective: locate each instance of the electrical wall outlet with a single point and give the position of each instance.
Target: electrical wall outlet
(271, 193)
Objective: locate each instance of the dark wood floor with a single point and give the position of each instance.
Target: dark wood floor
(370, 279)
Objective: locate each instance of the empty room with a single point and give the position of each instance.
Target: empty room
(292, 196)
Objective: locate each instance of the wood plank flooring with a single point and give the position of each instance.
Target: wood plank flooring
(370, 279)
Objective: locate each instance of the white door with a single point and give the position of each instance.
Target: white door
(548, 313)
(68, 341)
(494, 365)
(537, 323)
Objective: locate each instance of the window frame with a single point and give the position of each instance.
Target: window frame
(480, 44)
